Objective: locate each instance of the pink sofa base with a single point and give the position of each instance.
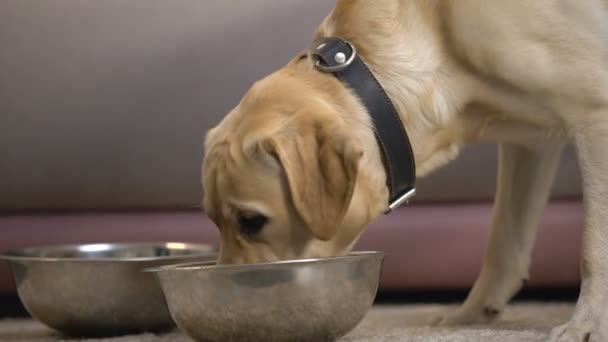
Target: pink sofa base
(437, 246)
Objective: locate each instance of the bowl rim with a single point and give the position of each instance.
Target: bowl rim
(199, 249)
(212, 265)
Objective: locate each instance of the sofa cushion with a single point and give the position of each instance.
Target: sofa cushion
(103, 104)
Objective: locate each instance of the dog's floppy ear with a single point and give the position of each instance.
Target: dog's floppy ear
(321, 162)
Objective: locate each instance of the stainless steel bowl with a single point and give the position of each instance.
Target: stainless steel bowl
(300, 300)
(99, 289)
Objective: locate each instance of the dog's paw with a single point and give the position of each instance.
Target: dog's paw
(468, 316)
(573, 332)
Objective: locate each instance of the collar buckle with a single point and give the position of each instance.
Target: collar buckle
(340, 59)
(401, 200)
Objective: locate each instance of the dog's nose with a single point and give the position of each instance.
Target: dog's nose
(225, 259)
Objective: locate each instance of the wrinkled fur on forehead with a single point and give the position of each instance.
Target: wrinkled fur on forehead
(287, 124)
(212, 162)
(271, 105)
(241, 138)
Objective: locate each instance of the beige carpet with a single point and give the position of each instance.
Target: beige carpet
(520, 323)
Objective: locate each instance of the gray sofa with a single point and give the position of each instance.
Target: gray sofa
(103, 107)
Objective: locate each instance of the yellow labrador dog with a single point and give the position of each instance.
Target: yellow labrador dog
(295, 169)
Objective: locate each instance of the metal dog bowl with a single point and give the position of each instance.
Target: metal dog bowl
(99, 289)
(297, 300)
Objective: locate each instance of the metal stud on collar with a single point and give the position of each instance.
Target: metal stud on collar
(339, 57)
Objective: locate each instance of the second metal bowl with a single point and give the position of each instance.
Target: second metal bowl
(98, 289)
(298, 300)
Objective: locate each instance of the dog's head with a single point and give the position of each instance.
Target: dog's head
(295, 171)
(281, 170)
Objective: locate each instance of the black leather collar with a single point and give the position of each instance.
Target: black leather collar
(339, 57)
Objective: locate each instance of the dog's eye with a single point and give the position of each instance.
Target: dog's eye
(251, 223)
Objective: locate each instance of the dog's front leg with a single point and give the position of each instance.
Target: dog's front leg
(587, 323)
(525, 176)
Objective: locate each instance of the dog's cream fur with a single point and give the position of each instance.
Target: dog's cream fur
(528, 75)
